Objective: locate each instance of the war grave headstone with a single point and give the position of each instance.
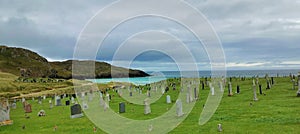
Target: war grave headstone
(168, 99)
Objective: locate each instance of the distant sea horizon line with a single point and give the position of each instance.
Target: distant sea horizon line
(162, 75)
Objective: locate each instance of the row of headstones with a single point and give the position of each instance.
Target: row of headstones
(230, 92)
(147, 108)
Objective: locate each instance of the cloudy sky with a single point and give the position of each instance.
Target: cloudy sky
(254, 34)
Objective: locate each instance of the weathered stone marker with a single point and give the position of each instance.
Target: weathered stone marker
(237, 89)
(254, 93)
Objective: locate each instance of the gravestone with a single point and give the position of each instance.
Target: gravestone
(148, 93)
(268, 85)
(40, 100)
(195, 93)
(28, 108)
(221, 86)
(202, 83)
(57, 101)
(108, 98)
(51, 104)
(188, 98)
(162, 90)
(67, 102)
(147, 108)
(220, 128)
(260, 90)
(101, 101)
(85, 105)
(14, 105)
(212, 89)
(168, 98)
(91, 96)
(100, 94)
(44, 97)
(190, 93)
(237, 89)
(298, 92)
(230, 89)
(73, 95)
(179, 108)
(272, 80)
(76, 111)
(122, 107)
(254, 93)
(4, 112)
(294, 84)
(72, 100)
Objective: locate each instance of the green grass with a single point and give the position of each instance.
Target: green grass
(276, 112)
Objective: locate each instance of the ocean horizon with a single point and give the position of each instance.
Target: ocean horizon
(159, 76)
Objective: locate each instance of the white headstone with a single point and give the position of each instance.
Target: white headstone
(72, 100)
(187, 98)
(179, 108)
(107, 98)
(147, 108)
(230, 89)
(212, 89)
(168, 99)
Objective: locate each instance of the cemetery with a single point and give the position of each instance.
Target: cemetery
(248, 105)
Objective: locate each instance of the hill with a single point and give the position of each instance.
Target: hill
(25, 63)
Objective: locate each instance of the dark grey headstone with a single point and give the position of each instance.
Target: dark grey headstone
(67, 103)
(238, 89)
(260, 90)
(76, 111)
(122, 107)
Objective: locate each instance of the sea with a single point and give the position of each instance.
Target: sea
(159, 76)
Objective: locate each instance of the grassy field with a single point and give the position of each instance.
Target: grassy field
(277, 111)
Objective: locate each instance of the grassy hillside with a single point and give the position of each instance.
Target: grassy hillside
(25, 63)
